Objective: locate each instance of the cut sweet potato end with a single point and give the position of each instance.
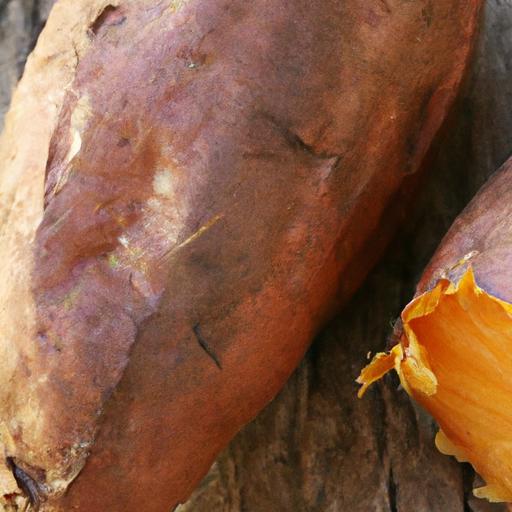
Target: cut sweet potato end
(455, 359)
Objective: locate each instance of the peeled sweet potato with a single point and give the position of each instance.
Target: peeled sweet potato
(187, 188)
(455, 352)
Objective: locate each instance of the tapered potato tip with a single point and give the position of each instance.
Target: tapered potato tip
(455, 359)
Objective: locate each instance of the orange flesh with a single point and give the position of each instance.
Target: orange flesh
(455, 359)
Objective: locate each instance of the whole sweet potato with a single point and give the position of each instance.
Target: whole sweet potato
(455, 352)
(187, 188)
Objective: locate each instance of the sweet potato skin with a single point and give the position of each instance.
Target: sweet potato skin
(480, 238)
(210, 174)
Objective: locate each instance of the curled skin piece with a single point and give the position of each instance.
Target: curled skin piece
(455, 359)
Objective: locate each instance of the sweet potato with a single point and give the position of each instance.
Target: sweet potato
(188, 187)
(455, 351)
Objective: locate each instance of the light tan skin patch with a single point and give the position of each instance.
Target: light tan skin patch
(24, 147)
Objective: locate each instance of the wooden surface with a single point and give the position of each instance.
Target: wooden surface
(316, 448)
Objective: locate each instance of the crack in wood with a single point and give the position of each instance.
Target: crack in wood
(392, 492)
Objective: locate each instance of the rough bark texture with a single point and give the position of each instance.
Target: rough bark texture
(316, 447)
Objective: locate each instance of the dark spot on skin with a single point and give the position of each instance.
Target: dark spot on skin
(295, 141)
(205, 346)
(427, 13)
(27, 484)
(410, 145)
(123, 142)
(192, 59)
(385, 6)
(10, 499)
(42, 337)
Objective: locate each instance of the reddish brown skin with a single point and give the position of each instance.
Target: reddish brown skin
(482, 237)
(294, 124)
